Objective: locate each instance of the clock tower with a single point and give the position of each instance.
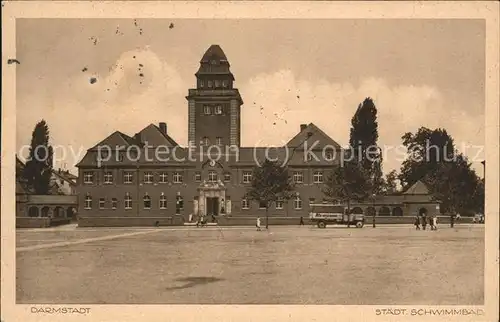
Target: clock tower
(214, 106)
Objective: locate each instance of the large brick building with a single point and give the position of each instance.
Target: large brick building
(143, 176)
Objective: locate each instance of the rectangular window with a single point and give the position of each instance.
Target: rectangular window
(279, 203)
(207, 110)
(318, 177)
(224, 83)
(212, 176)
(163, 201)
(88, 202)
(202, 83)
(147, 202)
(128, 202)
(218, 110)
(298, 177)
(128, 177)
(227, 176)
(114, 203)
(297, 203)
(148, 177)
(88, 177)
(247, 176)
(108, 177)
(177, 177)
(163, 177)
(218, 140)
(245, 204)
(102, 203)
(210, 84)
(205, 141)
(197, 176)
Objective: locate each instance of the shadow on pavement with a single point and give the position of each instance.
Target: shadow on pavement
(194, 281)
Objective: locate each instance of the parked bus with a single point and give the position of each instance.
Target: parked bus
(330, 214)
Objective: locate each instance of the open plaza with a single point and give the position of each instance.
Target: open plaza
(389, 264)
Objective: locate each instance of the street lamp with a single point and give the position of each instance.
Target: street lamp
(374, 211)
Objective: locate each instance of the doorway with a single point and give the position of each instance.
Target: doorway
(212, 206)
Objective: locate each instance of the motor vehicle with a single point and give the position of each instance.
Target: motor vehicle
(330, 214)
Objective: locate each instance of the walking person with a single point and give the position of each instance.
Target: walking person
(424, 221)
(417, 222)
(434, 222)
(452, 220)
(258, 224)
(301, 221)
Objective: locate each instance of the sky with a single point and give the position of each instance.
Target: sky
(418, 72)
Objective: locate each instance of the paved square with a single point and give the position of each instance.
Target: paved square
(238, 265)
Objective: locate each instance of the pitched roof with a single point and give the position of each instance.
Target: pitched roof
(66, 176)
(214, 52)
(114, 140)
(309, 136)
(155, 137)
(418, 188)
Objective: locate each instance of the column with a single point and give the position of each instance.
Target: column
(195, 206)
(201, 204)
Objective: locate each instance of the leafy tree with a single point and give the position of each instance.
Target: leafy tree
(363, 140)
(38, 169)
(390, 184)
(433, 159)
(348, 182)
(270, 183)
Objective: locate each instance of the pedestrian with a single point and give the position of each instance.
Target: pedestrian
(452, 220)
(301, 221)
(417, 222)
(373, 221)
(424, 221)
(434, 222)
(190, 217)
(258, 224)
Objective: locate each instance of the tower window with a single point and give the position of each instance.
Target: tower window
(205, 141)
(224, 83)
(210, 84)
(207, 110)
(217, 83)
(218, 109)
(218, 140)
(202, 83)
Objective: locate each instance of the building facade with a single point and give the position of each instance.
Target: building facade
(149, 175)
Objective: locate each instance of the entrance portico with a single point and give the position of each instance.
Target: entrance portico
(211, 199)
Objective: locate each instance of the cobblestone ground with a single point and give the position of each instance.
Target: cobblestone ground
(286, 265)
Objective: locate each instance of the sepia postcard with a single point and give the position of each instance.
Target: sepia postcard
(250, 161)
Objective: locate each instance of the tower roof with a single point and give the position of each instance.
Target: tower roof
(214, 53)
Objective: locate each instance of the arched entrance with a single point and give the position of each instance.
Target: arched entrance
(33, 212)
(357, 211)
(45, 211)
(59, 212)
(422, 211)
(397, 211)
(370, 211)
(384, 211)
(70, 212)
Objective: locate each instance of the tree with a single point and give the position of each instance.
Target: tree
(270, 183)
(348, 182)
(363, 141)
(390, 184)
(433, 159)
(38, 169)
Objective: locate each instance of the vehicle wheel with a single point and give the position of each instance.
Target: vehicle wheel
(359, 224)
(321, 224)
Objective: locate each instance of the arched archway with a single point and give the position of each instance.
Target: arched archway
(371, 211)
(384, 211)
(45, 211)
(422, 211)
(397, 211)
(33, 211)
(58, 212)
(70, 212)
(357, 211)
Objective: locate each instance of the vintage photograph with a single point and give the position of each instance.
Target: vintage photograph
(251, 161)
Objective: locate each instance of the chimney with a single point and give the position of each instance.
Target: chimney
(302, 127)
(163, 127)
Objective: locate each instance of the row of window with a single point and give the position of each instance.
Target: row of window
(162, 204)
(148, 177)
(206, 141)
(214, 83)
(212, 109)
